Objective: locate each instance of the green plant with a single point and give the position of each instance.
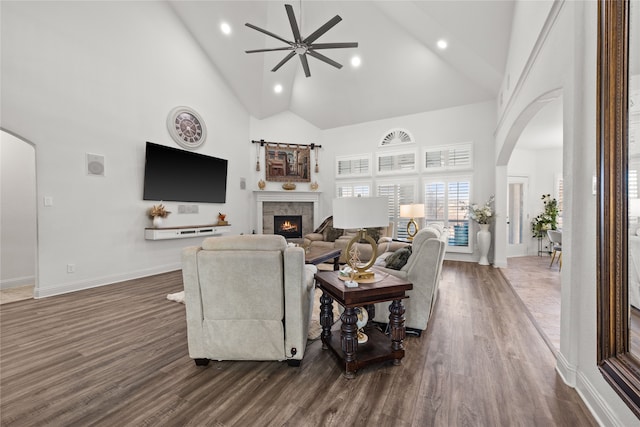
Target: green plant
(547, 220)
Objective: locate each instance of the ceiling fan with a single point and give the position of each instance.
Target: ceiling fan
(305, 46)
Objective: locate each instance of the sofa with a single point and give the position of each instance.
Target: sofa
(423, 268)
(336, 238)
(247, 298)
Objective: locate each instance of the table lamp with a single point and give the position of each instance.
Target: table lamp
(412, 211)
(360, 213)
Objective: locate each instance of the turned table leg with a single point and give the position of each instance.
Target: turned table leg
(396, 321)
(349, 340)
(326, 318)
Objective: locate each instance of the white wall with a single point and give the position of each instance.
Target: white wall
(17, 212)
(470, 123)
(101, 77)
(566, 60)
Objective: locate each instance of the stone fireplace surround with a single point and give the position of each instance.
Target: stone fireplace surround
(270, 203)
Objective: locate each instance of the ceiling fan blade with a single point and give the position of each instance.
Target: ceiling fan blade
(305, 65)
(332, 45)
(323, 29)
(286, 58)
(293, 22)
(269, 33)
(269, 50)
(324, 59)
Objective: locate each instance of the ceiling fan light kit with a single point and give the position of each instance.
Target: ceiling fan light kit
(305, 46)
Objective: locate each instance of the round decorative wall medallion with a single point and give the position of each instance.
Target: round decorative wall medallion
(186, 127)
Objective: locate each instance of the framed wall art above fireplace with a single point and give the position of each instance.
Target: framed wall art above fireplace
(287, 163)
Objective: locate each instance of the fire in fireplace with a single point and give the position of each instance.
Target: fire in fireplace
(289, 226)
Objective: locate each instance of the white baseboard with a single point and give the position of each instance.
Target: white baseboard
(596, 404)
(17, 281)
(102, 281)
(566, 370)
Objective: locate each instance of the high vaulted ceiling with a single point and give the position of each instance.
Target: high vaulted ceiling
(402, 71)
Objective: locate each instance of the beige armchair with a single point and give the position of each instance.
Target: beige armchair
(247, 298)
(423, 269)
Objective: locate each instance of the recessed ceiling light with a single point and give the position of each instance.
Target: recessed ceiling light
(356, 61)
(442, 44)
(277, 88)
(225, 28)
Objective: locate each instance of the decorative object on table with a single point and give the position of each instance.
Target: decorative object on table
(186, 127)
(261, 184)
(301, 46)
(360, 213)
(314, 186)
(221, 219)
(483, 215)
(157, 213)
(413, 211)
(289, 186)
(363, 318)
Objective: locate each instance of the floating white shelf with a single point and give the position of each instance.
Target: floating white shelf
(184, 232)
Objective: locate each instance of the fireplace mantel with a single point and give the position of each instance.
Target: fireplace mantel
(287, 196)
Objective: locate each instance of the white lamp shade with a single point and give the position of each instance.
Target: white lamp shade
(415, 210)
(360, 212)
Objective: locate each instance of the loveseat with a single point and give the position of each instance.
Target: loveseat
(336, 238)
(247, 298)
(423, 268)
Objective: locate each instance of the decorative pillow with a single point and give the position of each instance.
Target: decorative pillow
(375, 233)
(331, 234)
(399, 258)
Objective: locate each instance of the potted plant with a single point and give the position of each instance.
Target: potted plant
(483, 215)
(547, 220)
(157, 213)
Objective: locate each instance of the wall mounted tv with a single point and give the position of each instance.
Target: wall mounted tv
(177, 175)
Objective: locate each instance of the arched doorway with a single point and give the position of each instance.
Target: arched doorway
(532, 156)
(18, 272)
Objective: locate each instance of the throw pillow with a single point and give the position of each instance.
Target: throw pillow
(375, 233)
(399, 258)
(331, 234)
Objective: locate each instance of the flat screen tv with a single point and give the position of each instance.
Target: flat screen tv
(171, 174)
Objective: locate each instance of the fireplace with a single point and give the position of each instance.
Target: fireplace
(289, 226)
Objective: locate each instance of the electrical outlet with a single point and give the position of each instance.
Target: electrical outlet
(71, 268)
(182, 209)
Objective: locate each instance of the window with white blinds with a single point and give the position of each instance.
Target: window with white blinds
(352, 166)
(396, 162)
(450, 157)
(353, 189)
(443, 198)
(399, 193)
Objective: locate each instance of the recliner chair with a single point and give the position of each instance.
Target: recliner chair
(247, 298)
(424, 270)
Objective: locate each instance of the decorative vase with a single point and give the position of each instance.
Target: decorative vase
(157, 221)
(484, 242)
(261, 184)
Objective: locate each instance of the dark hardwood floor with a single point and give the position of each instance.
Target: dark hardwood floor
(117, 355)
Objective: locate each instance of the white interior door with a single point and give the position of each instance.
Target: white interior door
(517, 216)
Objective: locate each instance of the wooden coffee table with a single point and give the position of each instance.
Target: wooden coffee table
(317, 256)
(344, 343)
